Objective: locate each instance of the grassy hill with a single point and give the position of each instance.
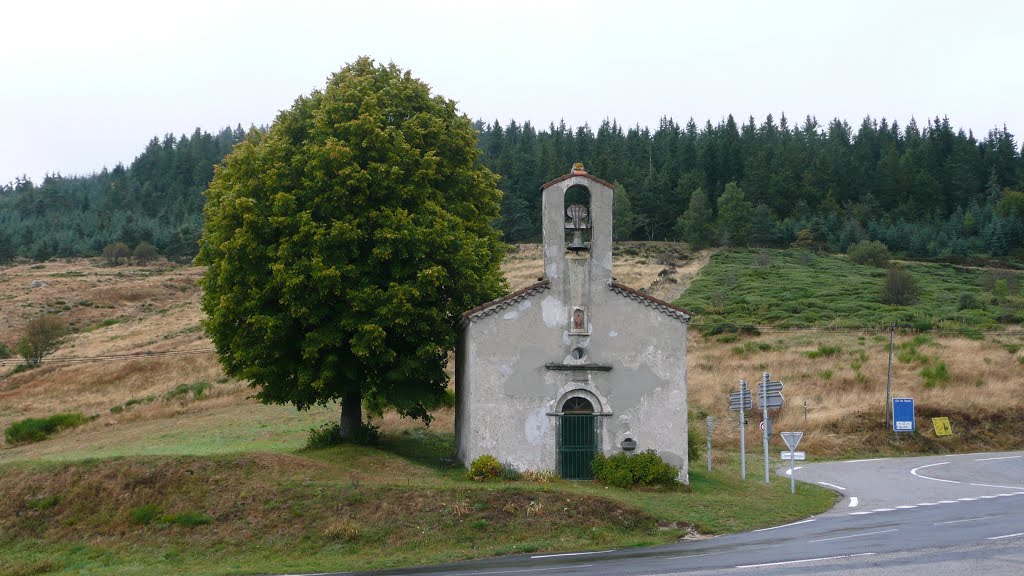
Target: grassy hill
(817, 323)
(178, 470)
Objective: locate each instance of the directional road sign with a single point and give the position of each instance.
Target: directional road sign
(738, 400)
(774, 400)
(903, 415)
(772, 387)
(795, 455)
(792, 439)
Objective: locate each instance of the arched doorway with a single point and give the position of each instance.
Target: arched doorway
(577, 439)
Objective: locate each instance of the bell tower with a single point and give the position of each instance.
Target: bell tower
(577, 217)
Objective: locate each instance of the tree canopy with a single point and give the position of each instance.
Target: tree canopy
(344, 243)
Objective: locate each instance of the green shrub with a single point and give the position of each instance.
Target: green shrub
(36, 429)
(196, 389)
(485, 467)
(935, 374)
(968, 301)
(43, 502)
(145, 514)
(869, 253)
(330, 435)
(644, 469)
(21, 368)
(5, 351)
(900, 288)
(824, 352)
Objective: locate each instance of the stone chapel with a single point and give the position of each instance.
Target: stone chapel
(576, 364)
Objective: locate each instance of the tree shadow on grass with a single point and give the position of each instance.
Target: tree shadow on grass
(434, 450)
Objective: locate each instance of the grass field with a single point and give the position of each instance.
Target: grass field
(179, 470)
(236, 511)
(799, 289)
(163, 479)
(815, 323)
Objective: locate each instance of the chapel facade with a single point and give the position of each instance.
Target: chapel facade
(577, 363)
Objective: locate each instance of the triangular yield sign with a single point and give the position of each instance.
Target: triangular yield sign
(792, 439)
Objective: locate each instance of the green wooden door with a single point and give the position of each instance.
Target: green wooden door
(577, 446)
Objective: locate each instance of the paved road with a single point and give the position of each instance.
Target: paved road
(946, 515)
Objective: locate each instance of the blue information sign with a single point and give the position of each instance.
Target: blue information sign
(903, 414)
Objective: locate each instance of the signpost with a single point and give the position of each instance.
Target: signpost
(770, 396)
(742, 401)
(792, 440)
(711, 426)
(941, 425)
(903, 415)
(793, 455)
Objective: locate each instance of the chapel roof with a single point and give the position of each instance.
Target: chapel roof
(582, 174)
(505, 301)
(651, 302)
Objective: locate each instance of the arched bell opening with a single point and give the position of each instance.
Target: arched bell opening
(577, 210)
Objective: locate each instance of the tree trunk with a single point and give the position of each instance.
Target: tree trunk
(351, 414)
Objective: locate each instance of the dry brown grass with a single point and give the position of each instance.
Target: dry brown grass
(845, 412)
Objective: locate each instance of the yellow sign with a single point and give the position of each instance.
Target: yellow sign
(942, 427)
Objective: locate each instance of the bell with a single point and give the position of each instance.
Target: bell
(577, 244)
(577, 214)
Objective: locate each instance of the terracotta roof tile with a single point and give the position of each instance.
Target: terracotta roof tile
(505, 301)
(573, 175)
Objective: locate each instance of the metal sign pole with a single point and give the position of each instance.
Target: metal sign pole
(710, 428)
(888, 382)
(764, 405)
(743, 432)
(792, 475)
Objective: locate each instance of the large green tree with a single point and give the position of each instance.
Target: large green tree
(344, 243)
(735, 216)
(696, 224)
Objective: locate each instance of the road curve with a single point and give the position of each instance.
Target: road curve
(958, 514)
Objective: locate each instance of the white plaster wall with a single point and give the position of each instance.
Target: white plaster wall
(506, 395)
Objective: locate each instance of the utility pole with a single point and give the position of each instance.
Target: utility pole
(888, 383)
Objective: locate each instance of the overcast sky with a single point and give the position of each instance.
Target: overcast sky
(88, 84)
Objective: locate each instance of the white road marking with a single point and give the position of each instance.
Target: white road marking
(317, 574)
(861, 513)
(905, 507)
(807, 560)
(853, 502)
(854, 535)
(928, 504)
(883, 509)
(797, 468)
(914, 472)
(966, 520)
(786, 525)
(967, 499)
(1007, 536)
(996, 486)
(695, 555)
(864, 460)
(997, 458)
(831, 485)
(569, 554)
(522, 570)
